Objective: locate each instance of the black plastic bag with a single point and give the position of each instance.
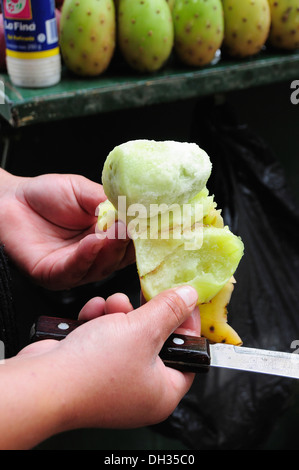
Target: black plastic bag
(230, 409)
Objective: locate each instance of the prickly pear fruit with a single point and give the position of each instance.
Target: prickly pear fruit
(145, 33)
(87, 35)
(198, 30)
(247, 25)
(284, 32)
(179, 244)
(171, 4)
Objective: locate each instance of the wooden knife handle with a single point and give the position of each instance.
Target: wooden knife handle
(181, 352)
(52, 328)
(186, 353)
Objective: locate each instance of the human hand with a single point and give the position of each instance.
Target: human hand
(110, 371)
(48, 229)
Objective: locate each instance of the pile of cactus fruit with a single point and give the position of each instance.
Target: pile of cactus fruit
(146, 33)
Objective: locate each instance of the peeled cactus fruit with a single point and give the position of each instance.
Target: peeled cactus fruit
(198, 249)
(87, 35)
(145, 33)
(247, 25)
(284, 33)
(149, 172)
(207, 268)
(198, 30)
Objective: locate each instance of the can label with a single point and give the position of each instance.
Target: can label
(30, 28)
(18, 9)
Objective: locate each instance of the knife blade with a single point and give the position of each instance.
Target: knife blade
(191, 353)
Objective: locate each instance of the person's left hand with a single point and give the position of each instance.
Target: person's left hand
(48, 229)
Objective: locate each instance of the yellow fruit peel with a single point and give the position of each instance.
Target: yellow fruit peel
(107, 215)
(213, 317)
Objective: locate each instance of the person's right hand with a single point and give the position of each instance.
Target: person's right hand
(112, 375)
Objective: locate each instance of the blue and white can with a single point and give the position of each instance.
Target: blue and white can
(32, 42)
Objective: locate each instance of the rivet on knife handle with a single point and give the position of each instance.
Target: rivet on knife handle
(181, 352)
(52, 328)
(186, 353)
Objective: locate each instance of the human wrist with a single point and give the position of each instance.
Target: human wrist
(59, 391)
(36, 408)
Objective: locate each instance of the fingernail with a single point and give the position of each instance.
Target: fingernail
(188, 294)
(192, 325)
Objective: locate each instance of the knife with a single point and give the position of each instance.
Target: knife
(191, 353)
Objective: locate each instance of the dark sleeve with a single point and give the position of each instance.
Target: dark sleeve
(8, 329)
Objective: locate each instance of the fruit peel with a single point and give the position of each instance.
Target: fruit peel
(213, 316)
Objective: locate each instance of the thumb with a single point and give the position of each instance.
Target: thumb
(163, 314)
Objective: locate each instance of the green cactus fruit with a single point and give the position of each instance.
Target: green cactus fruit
(198, 30)
(284, 32)
(145, 33)
(247, 25)
(171, 4)
(87, 35)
